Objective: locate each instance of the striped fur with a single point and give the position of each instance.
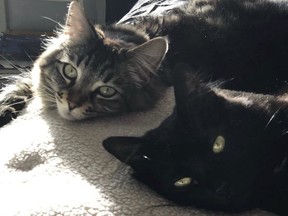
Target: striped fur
(243, 42)
(118, 58)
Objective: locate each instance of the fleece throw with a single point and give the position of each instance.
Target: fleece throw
(50, 166)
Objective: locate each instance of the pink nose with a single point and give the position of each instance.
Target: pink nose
(72, 105)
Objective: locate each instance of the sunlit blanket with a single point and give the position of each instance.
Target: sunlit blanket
(50, 166)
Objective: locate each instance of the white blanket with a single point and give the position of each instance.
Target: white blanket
(49, 166)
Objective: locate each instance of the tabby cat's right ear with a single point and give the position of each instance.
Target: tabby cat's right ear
(77, 27)
(145, 59)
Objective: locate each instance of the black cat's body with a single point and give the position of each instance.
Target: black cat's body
(241, 42)
(249, 171)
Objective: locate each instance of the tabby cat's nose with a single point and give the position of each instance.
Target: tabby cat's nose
(72, 105)
(75, 100)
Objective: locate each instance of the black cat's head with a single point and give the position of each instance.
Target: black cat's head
(212, 151)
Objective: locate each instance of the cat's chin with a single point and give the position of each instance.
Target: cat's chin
(73, 115)
(68, 116)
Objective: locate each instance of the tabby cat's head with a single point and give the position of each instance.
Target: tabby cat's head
(214, 151)
(90, 71)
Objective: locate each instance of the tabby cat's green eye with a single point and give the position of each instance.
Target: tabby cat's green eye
(219, 144)
(106, 91)
(183, 182)
(69, 72)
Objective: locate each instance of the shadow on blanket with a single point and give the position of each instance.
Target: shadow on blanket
(50, 166)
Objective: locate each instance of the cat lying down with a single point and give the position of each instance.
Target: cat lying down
(220, 149)
(49, 166)
(90, 71)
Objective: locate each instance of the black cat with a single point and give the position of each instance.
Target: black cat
(220, 149)
(90, 71)
(243, 42)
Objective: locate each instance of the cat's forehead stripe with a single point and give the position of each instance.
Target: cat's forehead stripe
(108, 77)
(105, 67)
(88, 60)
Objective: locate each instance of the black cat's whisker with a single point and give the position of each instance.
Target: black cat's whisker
(272, 117)
(284, 132)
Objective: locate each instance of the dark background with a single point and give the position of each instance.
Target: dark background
(116, 9)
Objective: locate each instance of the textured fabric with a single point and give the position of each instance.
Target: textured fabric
(151, 7)
(50, 166)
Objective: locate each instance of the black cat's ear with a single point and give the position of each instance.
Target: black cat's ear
(191, 93)
(188, 85)
(77, 27)
(186, 82)
(123, 148)
(145, 59)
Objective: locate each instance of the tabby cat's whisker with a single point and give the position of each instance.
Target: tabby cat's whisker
(28, 56)
(13, 65)
(49, 89)
(50, 19)
(20, 102)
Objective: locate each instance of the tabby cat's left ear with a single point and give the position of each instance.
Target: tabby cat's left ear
(77, 27)
(145, 59)
(123, 148)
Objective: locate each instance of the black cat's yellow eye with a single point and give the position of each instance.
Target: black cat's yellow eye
(106, 91)
(219, 144)
(69, 72)
(183, 182)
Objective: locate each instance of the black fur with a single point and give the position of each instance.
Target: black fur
(243, 42)
(250, 172)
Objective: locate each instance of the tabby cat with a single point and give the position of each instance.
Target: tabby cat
(89, 71)
(220, 149)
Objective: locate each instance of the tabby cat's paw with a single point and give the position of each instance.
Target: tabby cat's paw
(6, 114)
(9, 110)
(16, 102)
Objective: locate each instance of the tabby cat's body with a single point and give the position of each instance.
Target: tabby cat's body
(220, 149)
(89, 71)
